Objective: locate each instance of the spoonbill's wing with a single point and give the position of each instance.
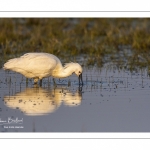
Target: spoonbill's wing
(38, 62)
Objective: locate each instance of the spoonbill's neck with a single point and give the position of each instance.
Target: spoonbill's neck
(63, 72)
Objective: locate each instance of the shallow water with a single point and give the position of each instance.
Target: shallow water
(110, 100)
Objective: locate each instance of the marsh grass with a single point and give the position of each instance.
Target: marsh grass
(98, 40)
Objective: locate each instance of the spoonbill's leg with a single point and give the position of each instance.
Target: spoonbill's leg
(36, 80)
(40, 82)
(54, 83)
(27, 81)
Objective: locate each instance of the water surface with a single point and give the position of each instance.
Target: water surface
(111, 100)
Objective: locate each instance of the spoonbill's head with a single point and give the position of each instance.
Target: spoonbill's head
(78, 69)
(75, 68)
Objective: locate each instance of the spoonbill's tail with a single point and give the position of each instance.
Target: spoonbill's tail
(10, 64)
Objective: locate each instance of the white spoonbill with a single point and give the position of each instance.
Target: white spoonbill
(42, 65)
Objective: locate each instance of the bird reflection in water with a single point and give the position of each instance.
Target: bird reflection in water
(40, 101)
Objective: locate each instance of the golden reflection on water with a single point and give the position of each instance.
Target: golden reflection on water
(40, 101)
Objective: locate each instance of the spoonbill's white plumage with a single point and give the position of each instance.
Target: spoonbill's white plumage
(42, 65)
